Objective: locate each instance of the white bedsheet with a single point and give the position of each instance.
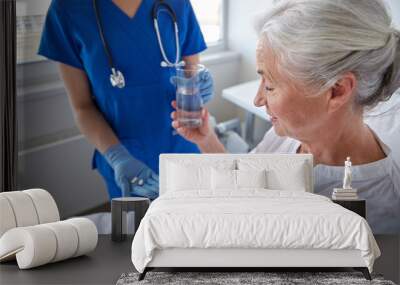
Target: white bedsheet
(250, 218)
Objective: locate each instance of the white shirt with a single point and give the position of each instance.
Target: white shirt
(378, 182)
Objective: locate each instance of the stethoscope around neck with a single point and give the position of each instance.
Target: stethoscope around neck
(117, 78)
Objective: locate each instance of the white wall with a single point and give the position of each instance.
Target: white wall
(242, 39)
(224, 68)
(241, 35)
(395, 9)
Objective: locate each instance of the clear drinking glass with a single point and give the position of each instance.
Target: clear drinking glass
(188, 100)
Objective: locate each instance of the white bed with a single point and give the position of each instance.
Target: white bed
(202, 220)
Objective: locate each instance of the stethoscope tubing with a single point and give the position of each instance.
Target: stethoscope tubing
(116, 77)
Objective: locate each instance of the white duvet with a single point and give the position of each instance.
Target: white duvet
(250, 218)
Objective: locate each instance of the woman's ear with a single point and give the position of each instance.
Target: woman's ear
(342, 92)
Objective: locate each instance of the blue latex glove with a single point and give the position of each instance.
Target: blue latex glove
(149, 189)
(206, 85)
(132, 176)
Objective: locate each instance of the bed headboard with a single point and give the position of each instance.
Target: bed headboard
(214, 158)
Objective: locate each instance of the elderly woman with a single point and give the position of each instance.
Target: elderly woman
(322, 63)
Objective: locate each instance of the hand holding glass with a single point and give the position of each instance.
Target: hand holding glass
(188, 99)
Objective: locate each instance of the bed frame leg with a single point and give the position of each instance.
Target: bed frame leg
(143, 274)
(364, 271)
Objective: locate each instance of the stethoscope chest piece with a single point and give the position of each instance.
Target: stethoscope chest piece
(117, 79)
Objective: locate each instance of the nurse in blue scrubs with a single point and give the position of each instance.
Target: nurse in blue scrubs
(130, 126)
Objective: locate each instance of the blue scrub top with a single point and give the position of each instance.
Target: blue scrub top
(139, 114)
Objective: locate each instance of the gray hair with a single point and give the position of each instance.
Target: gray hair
(317, 41)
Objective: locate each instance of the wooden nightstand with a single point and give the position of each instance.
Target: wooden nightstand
(357, 206)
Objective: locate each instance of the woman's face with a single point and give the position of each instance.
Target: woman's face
(296, 111)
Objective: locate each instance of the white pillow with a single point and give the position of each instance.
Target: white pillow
(282, 174)
(183, 177)
(236, 179)
(193, 174)
(251, 178)
(291, 179)
(223, 179)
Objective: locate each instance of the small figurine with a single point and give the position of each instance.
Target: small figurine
(347, 174)
(346, 192)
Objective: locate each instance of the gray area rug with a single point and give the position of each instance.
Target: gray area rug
(269, 278)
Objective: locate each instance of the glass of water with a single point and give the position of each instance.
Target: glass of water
(188, 100)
